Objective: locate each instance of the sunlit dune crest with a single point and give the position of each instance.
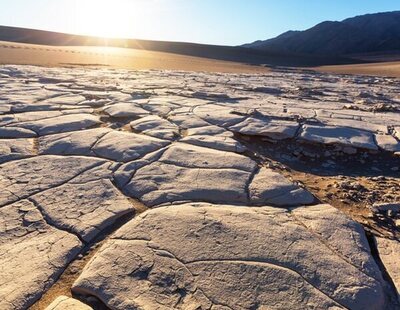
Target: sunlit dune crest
(17, 53)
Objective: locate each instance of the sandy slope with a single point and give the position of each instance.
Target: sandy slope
(44, 55)
(380, 68)
(17, 53)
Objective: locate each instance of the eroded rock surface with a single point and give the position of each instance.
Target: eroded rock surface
(271, 188)
(208, 256)
(51, 206)
(32, 253)
(274, 129)
(191, 173)
(76, 151)
(157, 127)
(340, 136)
(58, 124)
(126, 146)
(85, 205)
(72, 143)
(23, 178)
(122, 110)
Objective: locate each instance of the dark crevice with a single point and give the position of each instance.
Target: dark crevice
(392, 301)
(295, 154)
(327, 245)
(27, 196)
(52, 223)
(74, 269)
(249, 181)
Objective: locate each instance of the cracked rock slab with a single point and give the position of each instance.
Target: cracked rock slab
(124, 110)
(217, 142)
(159, 183)
(338, 135)
(33, 254)
(86, 205)
(187, 172)
(33, 116)
(271, 188)
(126, 146)
(192, 156)
(274, 129)
(72, 143)
(190, 173)
(62, 123)
(219, 115)
(187, 120)
(156, 126)
(23, 178)
(201, 256)
(209, 130)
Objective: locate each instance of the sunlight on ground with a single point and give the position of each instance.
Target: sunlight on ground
(42, 55)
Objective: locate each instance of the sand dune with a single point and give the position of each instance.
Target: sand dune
(214, 52)
(44, 55)
(391, 68)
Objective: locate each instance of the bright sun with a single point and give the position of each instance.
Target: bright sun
(108, 18)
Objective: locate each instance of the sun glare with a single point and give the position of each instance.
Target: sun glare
(108, 18)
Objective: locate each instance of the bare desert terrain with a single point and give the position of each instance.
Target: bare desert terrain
(114, 57)
(164, 189)
(139, 59)
(151, 159)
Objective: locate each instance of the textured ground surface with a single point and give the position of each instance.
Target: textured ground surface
(233, 169)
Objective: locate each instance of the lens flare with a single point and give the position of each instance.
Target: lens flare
(107, 18)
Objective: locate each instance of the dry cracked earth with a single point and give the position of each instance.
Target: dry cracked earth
(174, 190)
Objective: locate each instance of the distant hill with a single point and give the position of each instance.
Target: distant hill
(371, 33)
(227, 53)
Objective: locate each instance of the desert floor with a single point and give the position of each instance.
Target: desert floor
(161, 189)
(42, 55)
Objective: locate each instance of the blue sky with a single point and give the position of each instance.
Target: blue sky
(227, 22)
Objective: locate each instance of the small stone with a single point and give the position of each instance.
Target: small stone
(349, 150)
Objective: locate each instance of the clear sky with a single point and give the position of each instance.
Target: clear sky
(227, 22)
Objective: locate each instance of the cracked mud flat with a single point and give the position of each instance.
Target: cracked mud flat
(175, 190)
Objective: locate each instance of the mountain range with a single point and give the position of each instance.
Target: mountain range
(352, 40)
(371, 33)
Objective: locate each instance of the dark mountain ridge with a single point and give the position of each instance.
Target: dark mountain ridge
(371, 33)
